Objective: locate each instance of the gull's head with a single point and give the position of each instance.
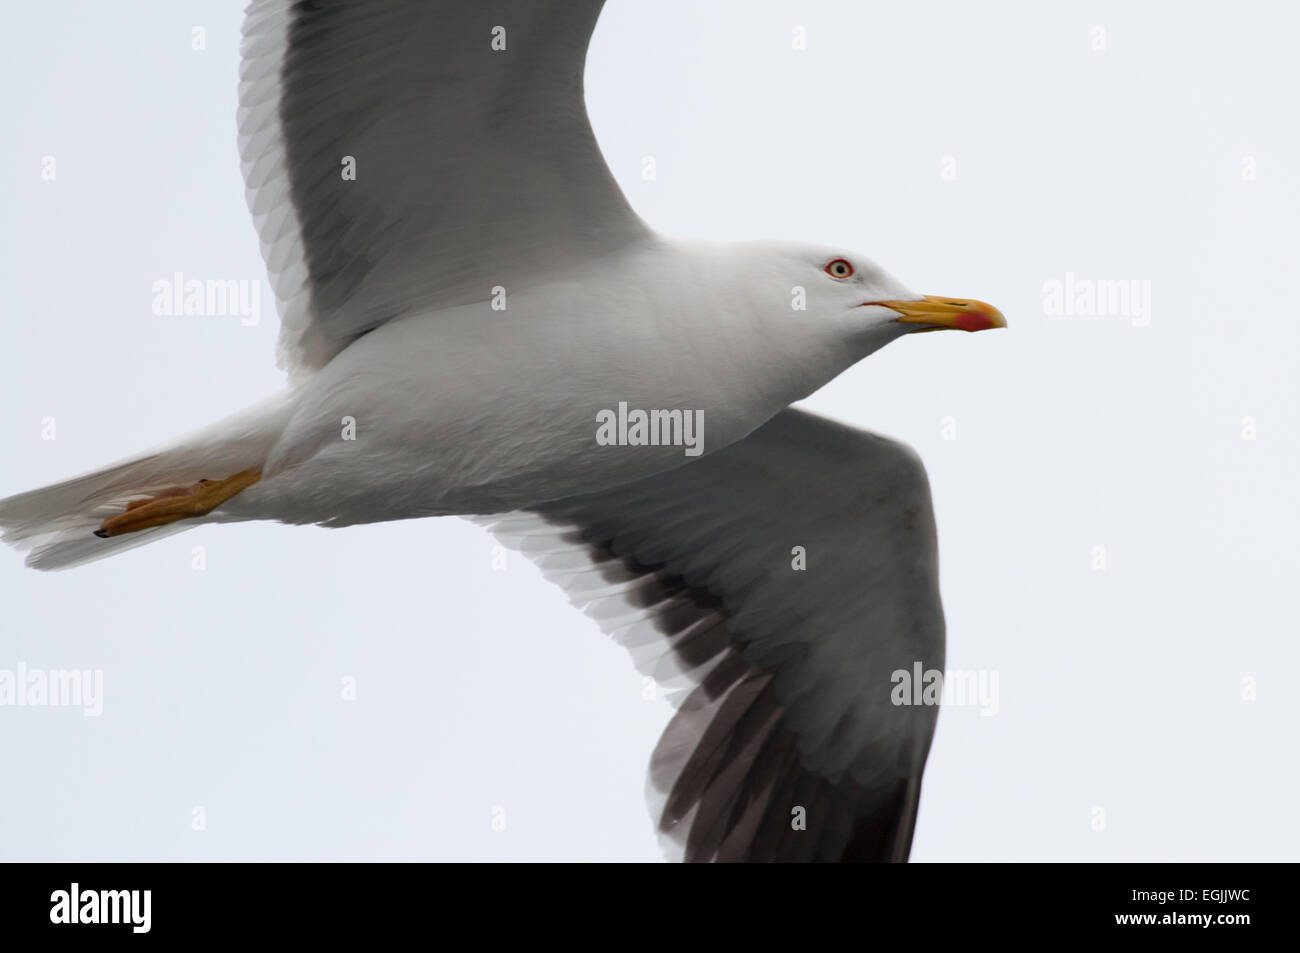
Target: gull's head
(850, 295)
(806, 313)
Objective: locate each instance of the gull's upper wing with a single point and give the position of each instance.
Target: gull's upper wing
(475, 165)
(792, 670)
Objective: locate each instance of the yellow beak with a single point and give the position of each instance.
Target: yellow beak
(940, 313)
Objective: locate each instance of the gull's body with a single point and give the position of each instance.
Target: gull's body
(509, 406)
(458, 312)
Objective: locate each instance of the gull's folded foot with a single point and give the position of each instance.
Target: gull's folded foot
(177, 503)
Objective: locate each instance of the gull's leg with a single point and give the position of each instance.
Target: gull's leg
(177, 503)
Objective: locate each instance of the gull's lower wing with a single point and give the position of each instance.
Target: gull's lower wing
(408, 154)
(783, 580)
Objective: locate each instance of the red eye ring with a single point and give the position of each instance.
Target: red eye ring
(840, 268)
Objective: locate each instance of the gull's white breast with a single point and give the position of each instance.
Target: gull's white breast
(496, 405)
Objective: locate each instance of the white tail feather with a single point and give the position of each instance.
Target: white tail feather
(55, 524)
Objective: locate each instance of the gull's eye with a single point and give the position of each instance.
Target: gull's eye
(839, 268)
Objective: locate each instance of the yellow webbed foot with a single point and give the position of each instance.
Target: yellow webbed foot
(177, 503)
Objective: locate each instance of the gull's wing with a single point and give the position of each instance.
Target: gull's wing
(791, 671)
(474, 166)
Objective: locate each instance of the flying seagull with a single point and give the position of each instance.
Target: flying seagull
(475, 323)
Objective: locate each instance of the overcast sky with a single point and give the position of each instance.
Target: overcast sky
(1115, 489)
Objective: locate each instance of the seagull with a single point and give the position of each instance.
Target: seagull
(474, 322)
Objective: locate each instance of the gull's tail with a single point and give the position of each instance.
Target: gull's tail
(55, 525)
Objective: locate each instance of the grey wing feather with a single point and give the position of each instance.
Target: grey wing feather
(397, 158)
(787, 675)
